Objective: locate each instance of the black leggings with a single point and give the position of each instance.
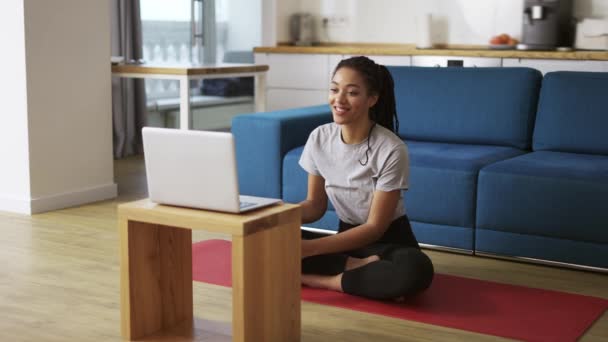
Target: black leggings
(402, 271)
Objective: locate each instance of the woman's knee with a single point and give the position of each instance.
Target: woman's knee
(414, 271)
(406, 273)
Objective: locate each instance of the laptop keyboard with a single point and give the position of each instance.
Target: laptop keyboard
(244, 205)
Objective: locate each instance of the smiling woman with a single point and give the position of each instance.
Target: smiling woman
(361, 166)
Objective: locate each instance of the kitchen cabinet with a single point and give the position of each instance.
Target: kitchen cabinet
(549, 65)
(384, 60)
(297, 71)
(456, 61)
(298, 80)
(278, 99)
(295, 80)
(302, 79)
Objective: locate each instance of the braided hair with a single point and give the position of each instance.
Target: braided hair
(378, 81)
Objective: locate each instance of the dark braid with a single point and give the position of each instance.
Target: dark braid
(379, 82)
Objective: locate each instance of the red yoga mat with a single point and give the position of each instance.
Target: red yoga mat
(485, 307)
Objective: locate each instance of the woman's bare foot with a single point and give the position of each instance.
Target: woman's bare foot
(352, 263)
(323, 282)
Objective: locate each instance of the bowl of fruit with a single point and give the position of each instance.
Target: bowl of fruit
(503, 42)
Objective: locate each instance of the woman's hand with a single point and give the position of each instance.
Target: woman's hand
(315, 204)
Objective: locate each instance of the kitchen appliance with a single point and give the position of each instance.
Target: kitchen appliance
(424, 27)
(547, 25)
(301, 29)
(592, 34)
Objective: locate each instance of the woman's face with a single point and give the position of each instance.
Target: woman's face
(349, 98)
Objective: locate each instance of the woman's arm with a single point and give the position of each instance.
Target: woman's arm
(315, 204)
(379, 219)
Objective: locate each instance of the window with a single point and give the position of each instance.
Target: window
(197, 31)
(167, 29)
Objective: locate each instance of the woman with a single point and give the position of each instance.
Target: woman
(362, 166)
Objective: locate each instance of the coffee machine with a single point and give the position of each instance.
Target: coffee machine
(547, 25)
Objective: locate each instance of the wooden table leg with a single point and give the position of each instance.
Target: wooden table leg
(156, 278)
(266, 282)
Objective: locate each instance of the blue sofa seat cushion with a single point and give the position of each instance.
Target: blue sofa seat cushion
(491, 106)
(443, 180)
(573, 113)
(553, 194)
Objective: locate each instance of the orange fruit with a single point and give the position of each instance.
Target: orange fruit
(495, 41)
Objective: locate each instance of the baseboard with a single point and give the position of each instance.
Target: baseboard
(74, 198)
(59, 201)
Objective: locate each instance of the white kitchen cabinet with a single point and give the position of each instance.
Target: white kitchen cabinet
(279, 98)
(295, 80)
(444, 61)
(296, 71)
(384, 60)
(298, 80)
(549, 65)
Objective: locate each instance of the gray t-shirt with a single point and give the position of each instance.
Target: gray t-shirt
(349, 185)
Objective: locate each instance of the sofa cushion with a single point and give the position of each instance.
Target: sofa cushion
(262, 139)
(573, 113)
(494, 106)
(443, 180)
(551, 194)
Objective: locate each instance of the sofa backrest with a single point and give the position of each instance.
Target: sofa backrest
(493, 106)
(573, 113)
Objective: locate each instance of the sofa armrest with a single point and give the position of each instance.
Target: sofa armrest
(263, 139)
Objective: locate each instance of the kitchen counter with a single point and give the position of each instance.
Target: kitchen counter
(411, 50)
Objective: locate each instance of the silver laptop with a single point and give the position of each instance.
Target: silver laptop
(195, 169)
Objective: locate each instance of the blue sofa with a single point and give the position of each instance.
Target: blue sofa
(503, 161)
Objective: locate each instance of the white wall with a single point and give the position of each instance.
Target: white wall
(284, 8)
(244, 28)
(14, 146)
(269, 22)
(68, 106)
(393, 21)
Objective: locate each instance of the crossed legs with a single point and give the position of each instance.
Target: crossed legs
(334, 282)
(379, 271)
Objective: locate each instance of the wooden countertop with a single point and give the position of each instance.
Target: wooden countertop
(187, 69)
(411, 50)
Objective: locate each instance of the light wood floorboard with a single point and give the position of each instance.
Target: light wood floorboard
(59, 281)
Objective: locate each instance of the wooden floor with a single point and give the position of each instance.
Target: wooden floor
(59, 281)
